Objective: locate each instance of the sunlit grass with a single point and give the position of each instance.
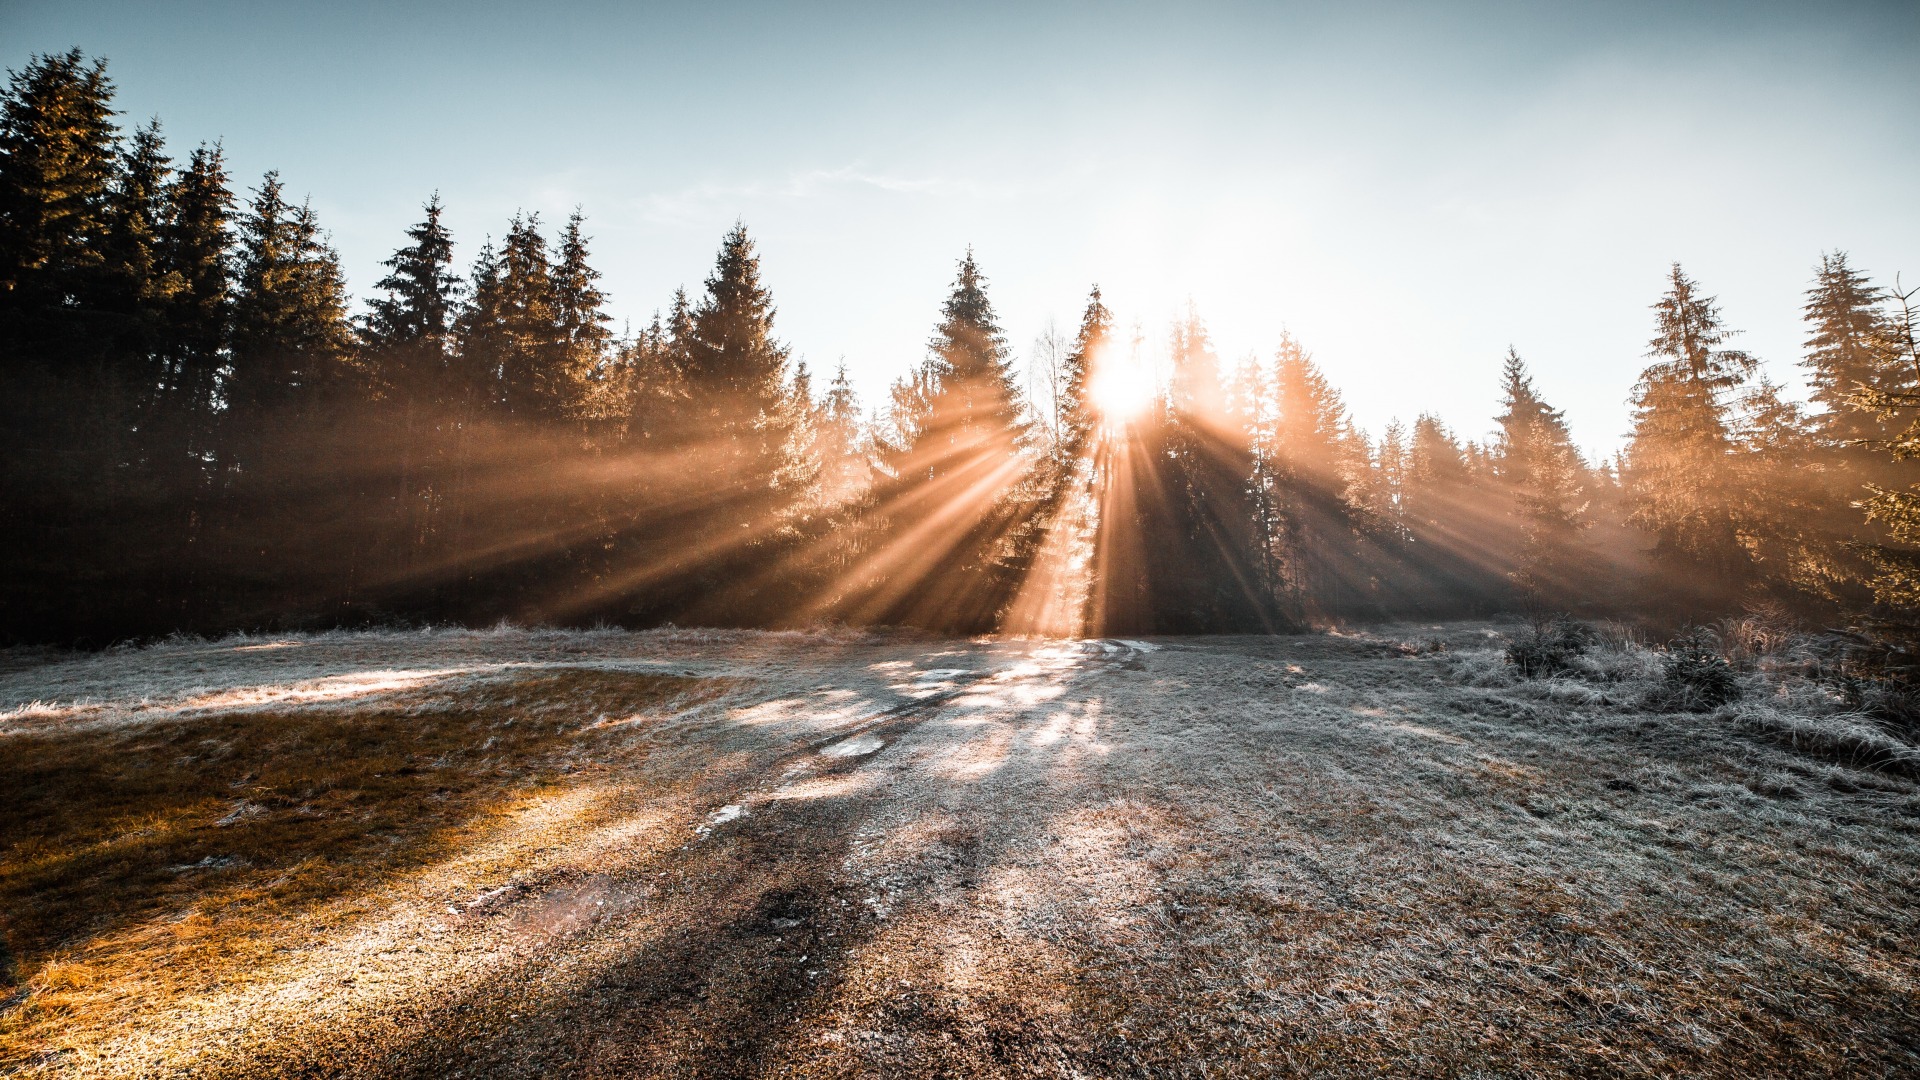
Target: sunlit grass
(177, 855)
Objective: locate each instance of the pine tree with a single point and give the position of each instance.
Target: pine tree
(196, 255)
(1843, 310)
(843, 453)
(943, 520)
(1540, 474)
(135, 282)
(1682, 453)
(736, 370)
(409, 331)
(579, 308)
(291, 336)
(1092, 338)
(1894, 396)
(535, 383)
(59, 159)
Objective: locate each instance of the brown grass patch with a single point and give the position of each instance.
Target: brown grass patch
(185, 849)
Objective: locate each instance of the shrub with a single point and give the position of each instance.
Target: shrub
(1550, 646)
(1694, 676)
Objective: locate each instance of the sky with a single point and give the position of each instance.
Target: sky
(1407, 189)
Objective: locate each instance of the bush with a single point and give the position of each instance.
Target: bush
(1694, 676)
(1550, 646)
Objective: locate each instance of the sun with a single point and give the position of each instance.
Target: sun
(1120, 389)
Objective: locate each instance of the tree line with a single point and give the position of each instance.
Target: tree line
(201, 434)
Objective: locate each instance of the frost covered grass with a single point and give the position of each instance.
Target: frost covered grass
(1379, 852)
(167, 854)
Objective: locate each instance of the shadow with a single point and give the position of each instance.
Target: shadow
(713, 958)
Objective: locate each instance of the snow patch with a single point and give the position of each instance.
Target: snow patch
(721, 816)
(857, 746)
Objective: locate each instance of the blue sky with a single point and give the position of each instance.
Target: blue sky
(1406, 188)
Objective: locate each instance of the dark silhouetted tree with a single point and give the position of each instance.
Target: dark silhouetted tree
(291, 337)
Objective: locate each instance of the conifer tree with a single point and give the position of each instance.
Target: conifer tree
(535, 383)
(136, 285)
(1094, 336)
(1203, 536)
(291, 336)
(1843, 351)
(1540, 475)
(1319, 465)
(971, 407)
(196, 257)
(943, 517)
(1895, 396)
(841, 438)
(479, 332)
(579, 307)
(409, 330)
(59, 158)
(1436, 483)
(1390, 484)
(736, 370)
(657, 399)
(1682, 454)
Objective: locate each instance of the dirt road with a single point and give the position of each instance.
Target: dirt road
(872, 856)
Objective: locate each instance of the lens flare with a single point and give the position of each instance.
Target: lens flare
(1121, 388)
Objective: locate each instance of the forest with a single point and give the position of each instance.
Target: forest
(204, 432)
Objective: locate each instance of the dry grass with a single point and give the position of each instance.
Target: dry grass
(178, 852)
(1317, 855)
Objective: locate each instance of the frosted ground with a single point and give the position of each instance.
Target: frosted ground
(685, 853)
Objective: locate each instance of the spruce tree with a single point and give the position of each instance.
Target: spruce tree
(479, 333)
(408, 332)
(1843, 351)
(842, 440)
(1540, 476)
(59, 159)
(1894, 396)
(1436, 484)
(1390, 472)
(1202, 521)
(1319, 468)
(736, 370)
(1079, 419)
(196, 256)
(535, 380)
(1682, 455)
(971, 407)
(579, 308)
(136, 285)
(657, 400)
(943, 518)
(291, 336)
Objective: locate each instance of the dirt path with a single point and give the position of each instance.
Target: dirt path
(879, 857)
